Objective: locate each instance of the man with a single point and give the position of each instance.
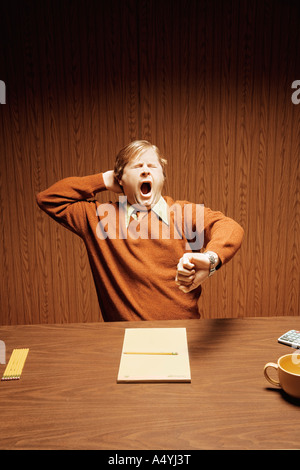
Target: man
(144, 250)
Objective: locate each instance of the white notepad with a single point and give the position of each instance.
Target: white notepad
(154, 355)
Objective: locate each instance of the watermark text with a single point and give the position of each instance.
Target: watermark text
(2, 92)
(181, 222)
(296, 94)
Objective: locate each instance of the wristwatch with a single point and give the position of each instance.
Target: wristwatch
(213, 259)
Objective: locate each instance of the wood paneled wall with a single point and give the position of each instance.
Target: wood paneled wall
(207, 81)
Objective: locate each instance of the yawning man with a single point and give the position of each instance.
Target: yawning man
(148, 254)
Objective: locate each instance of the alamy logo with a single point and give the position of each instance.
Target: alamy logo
(185, 223)
(296, 95)
(2, 92)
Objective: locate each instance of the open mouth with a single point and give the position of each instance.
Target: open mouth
(146, 188)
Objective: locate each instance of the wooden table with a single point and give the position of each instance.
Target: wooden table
(68, 398)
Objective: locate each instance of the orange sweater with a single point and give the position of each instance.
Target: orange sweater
(134, 277)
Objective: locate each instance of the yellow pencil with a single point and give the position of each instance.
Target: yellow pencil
(16, 364)
(23, 357)
(154, 353)
(11, 365)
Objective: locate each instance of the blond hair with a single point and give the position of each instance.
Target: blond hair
(132, 151)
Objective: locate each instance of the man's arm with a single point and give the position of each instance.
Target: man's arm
(65, 201)
(222, 239)
(111, 182)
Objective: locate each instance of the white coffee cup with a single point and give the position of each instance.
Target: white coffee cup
(288, 369)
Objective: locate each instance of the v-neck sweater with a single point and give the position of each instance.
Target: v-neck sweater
(133, 270)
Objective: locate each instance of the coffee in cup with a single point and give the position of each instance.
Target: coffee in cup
(288, 369)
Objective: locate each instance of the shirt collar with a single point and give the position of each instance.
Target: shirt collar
(160, 209)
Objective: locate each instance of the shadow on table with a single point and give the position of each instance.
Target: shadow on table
(213, 335)
(285, 396)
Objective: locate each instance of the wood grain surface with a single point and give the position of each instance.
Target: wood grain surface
(68, 397)
(208, 82)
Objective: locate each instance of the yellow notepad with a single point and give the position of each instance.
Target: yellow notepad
(154, 355)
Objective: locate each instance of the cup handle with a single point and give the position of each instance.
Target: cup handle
(272, 381)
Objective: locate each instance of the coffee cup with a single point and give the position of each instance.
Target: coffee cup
(288, 369)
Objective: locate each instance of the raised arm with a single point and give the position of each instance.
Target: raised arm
(66, 200)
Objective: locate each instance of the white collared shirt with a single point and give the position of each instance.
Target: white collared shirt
(160, 209)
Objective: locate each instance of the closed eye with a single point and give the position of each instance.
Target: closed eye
(140, 165)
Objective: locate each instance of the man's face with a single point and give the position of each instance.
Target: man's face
(142, 180)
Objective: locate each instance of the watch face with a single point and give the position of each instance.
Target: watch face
(212, 259)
